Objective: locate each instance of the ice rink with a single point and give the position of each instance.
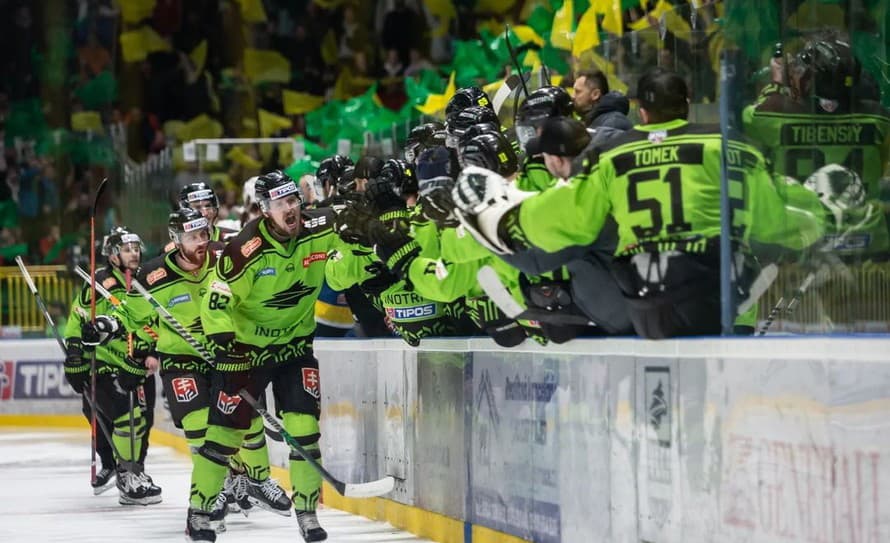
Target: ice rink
(46, 496)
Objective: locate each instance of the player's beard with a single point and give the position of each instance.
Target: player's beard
(195, 257)
(287, 226)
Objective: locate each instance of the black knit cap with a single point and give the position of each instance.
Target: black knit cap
(663, 92)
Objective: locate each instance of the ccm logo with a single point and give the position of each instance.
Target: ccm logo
(314, 257)
(416, 312)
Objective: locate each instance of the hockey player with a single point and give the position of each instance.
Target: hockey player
(258, 314)
(178, 280)
(660, 183)
(118, 372)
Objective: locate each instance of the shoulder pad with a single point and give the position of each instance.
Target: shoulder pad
(154, 272)
(240, 250)
(317, 220)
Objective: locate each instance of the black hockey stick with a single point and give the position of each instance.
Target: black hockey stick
(33, 288)
(490, 282)
(349, 490)
(787, 307)
(515, 59)
(40, 303)
(99, 190)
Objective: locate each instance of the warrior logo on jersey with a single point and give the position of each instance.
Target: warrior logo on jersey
(290, 297)
(310, 381)
(185, 388)
(195, 327)
(227, 404)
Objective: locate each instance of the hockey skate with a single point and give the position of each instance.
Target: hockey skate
(218, 514)
(105, 479)
(197, 526)
(135, 489)
(268, 495)
(236, 493)
(310, 529)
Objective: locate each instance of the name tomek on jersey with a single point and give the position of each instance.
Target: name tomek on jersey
(828, 134)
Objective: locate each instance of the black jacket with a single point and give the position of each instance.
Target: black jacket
(610, 111)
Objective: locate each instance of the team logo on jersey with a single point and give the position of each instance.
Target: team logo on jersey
(7, 375)
(156, 276)
(182, 298)
(657, 136)
(289, 267)
(289, 297)
(185, 388)
(109, 282)
(265, 271)
(310, 382)
(195, 327)
(227, 404)
(314, 257)
(250, 246)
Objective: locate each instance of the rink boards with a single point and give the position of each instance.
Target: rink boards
(612, 440)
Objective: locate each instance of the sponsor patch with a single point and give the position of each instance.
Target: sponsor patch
(185, 388)
(156, 276)
(182, 298)
(220, 287)
(314, 257)
(197, 224)
(265, 271)
(441, 270)
(109, 282)
(198, 195)
(250, 246)
(7, 383)
(227, 404)
(316, 222)
(310, 382)
(411, 313)
(657, 136)
(282, 191)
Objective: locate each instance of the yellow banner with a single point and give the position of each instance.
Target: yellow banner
(261, 66)
(134, 11)
(561, 34)
(298, 103)
(87, 121)
(271, 123)
(137, 44)
(252, 11)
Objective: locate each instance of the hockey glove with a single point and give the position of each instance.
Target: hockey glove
(100, 332)
(131, 374)
(351, 224)
(488, 208)
(382, 198)
(77, 370)
(394, 247)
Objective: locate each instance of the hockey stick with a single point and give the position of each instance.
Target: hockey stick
(490, 282)
(99, 190)
(759, 287)
(515, 59)
(128, 276)
(33, 288)
(349, 490)
(40, 303)
(788, 307)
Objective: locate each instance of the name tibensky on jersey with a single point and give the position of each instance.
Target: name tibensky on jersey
(829, 134)
(289, 297)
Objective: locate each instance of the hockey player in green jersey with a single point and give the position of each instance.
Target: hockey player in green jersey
(178, 280)
(118, 373)
(258, 314)
(201, 197)
(818, 119)
(660, 182)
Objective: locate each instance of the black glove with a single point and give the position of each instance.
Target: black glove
(394, 247)
(352, 223)
(100, 332)
(436, 201)
(131, 374)
(77, 370)
(381, 279)
(382, 198)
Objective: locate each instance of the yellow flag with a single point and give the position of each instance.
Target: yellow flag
(608, 69)
(588, 35)
(198, 56)
(252, 11)
(436, 103)
(87, 121)
(660, 9)
(237, 155)
(329, 52)
(613, 21)
(134, 11)
(298, 103)
(271, 123)
(444, 12)
(678, 26)
(262, 66)
(201, 126)
(561, 34)
(526, 33)
(137, 44)
(532, 60)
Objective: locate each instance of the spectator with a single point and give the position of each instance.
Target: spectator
(402, 31)
(596, 105)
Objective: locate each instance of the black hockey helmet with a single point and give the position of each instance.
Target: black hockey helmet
(368, 167)
(828, 69)
(544, 103)
(490, 151)
(466, 118)
(183, 221)
(421, 137)
(346, 183)
(437, 170)
(478, 130)
(197, 192)
(331, 168)
(467, 97)
(118, 237)
(274, 185)
(400, 175)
